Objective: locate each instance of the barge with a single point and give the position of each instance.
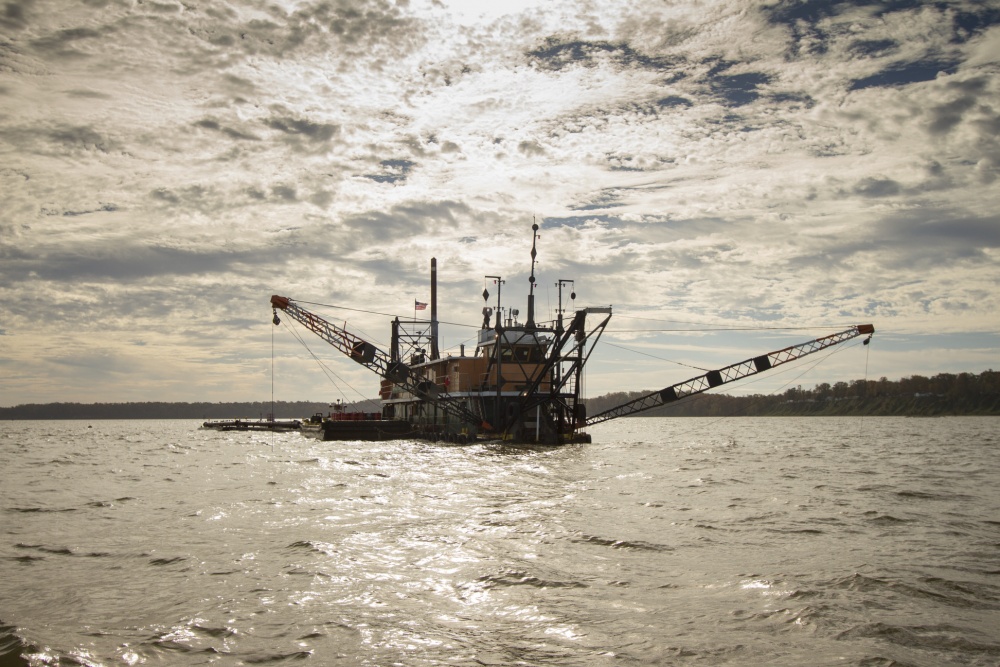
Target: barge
(522, 382)
(253, 424)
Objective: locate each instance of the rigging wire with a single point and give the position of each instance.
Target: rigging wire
(868, 351)
(467, 341)
(705, 328)
(716, 327)
(328, 371)
(272, 387)
(818, 362)
(679, 363)
(368, 337)
(704, 396)
(708, 329)
(375, 312)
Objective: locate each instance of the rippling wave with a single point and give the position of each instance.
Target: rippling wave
(13, 648)
(666, 541)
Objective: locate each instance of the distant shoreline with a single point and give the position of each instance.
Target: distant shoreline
(945, 394)
(165, 410)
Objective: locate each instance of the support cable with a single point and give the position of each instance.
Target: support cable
(715, 327)
(272, 386)
(328, 371)
(679, 363)
(711, 329)
(728, 374)
(694, 399)
(861, 422)
(390, 315)
(705, 329)
(272, 371)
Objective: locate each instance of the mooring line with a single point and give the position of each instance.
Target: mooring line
(328, 372)
(272, 387)
(868, 351)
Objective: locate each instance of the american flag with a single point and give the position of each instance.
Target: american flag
(419, 305)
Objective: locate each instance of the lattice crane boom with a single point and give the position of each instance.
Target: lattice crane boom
(728, 374)
(370, 356)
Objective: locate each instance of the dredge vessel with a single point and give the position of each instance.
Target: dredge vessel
(521, 384)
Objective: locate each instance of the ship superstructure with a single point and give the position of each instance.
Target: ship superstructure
(522, 382)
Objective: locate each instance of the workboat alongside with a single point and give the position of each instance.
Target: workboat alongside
(252, 424)
(522, 383)
(341, 424)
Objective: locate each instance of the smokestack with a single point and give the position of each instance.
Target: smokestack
(435, 354)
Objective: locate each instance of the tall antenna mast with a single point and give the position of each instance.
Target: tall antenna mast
(530, 324)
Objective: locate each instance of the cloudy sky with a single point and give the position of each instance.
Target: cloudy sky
(733, 176)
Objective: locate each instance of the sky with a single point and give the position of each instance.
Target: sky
(731, 176)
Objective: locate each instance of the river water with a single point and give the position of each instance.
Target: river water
(785, 541)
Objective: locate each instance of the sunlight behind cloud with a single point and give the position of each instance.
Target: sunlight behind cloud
(477, 12)
(166, 168)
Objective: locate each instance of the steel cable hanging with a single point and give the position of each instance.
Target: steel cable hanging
(715, 327)
(653, 356)
(328, 371)
(272, 386)
(700, 397)
(730, 373)
(861, 424)
(707, 328)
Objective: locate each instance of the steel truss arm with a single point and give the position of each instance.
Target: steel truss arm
(728, 374)
(370, 356)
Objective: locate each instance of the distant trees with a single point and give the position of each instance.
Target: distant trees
(916, 395)
(162, 410)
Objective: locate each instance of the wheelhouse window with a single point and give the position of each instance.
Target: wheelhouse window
(523, 354)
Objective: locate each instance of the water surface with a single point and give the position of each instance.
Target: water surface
(739, 541)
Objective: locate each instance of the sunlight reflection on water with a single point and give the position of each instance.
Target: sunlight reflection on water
(725, 541)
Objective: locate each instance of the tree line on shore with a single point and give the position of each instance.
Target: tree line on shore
(916, 395)
(913, 396)
(164, 410)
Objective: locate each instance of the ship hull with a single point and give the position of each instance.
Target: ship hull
(377, 430)
(252, 425)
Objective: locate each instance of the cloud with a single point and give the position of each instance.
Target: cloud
(531, 148)
(739, 89)
(393, 171)
(13, 14)
(168, 166)
(124, 263)
(901, 74)
(214, 125)
(420, 219)
(940, 237)
(877, 187)
(913, 242)
(558, 53)
(309, 130)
